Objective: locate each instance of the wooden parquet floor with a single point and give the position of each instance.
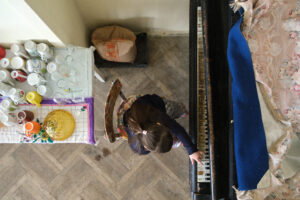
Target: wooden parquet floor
(108, 171)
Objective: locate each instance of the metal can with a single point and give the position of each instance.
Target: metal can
(19, 75)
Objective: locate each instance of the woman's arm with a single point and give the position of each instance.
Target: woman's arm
(180, 133)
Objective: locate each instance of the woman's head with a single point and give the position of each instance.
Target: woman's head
(143, 120)
(157, 138)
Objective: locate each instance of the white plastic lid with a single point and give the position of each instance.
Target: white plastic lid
(14, 74)
(5, 103)
(33, 79)
(17, 62)
(29, 66)
(42, 47)
(51, 67)
(15, 48)
(30, 45)
(3, 75)
(4, 62)
(42, 90)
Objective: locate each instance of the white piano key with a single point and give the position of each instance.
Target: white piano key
(203, 172)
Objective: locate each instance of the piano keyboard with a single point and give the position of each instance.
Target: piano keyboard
(210, 101)
(203, 171)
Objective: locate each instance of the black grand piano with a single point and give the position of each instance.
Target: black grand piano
(210, 108)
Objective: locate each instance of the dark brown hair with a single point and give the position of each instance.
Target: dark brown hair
(145, 117)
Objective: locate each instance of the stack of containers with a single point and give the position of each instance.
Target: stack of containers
(27, 64)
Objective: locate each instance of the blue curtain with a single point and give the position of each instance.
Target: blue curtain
(249, 137)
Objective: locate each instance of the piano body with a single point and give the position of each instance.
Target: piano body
(210, 100)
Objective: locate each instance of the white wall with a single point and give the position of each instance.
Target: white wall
(64, 19)
(154, 16)
(63, 22)
(18, 22)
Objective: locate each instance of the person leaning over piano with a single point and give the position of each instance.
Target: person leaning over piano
(151, 126)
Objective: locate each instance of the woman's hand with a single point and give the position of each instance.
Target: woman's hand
(197, 156)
